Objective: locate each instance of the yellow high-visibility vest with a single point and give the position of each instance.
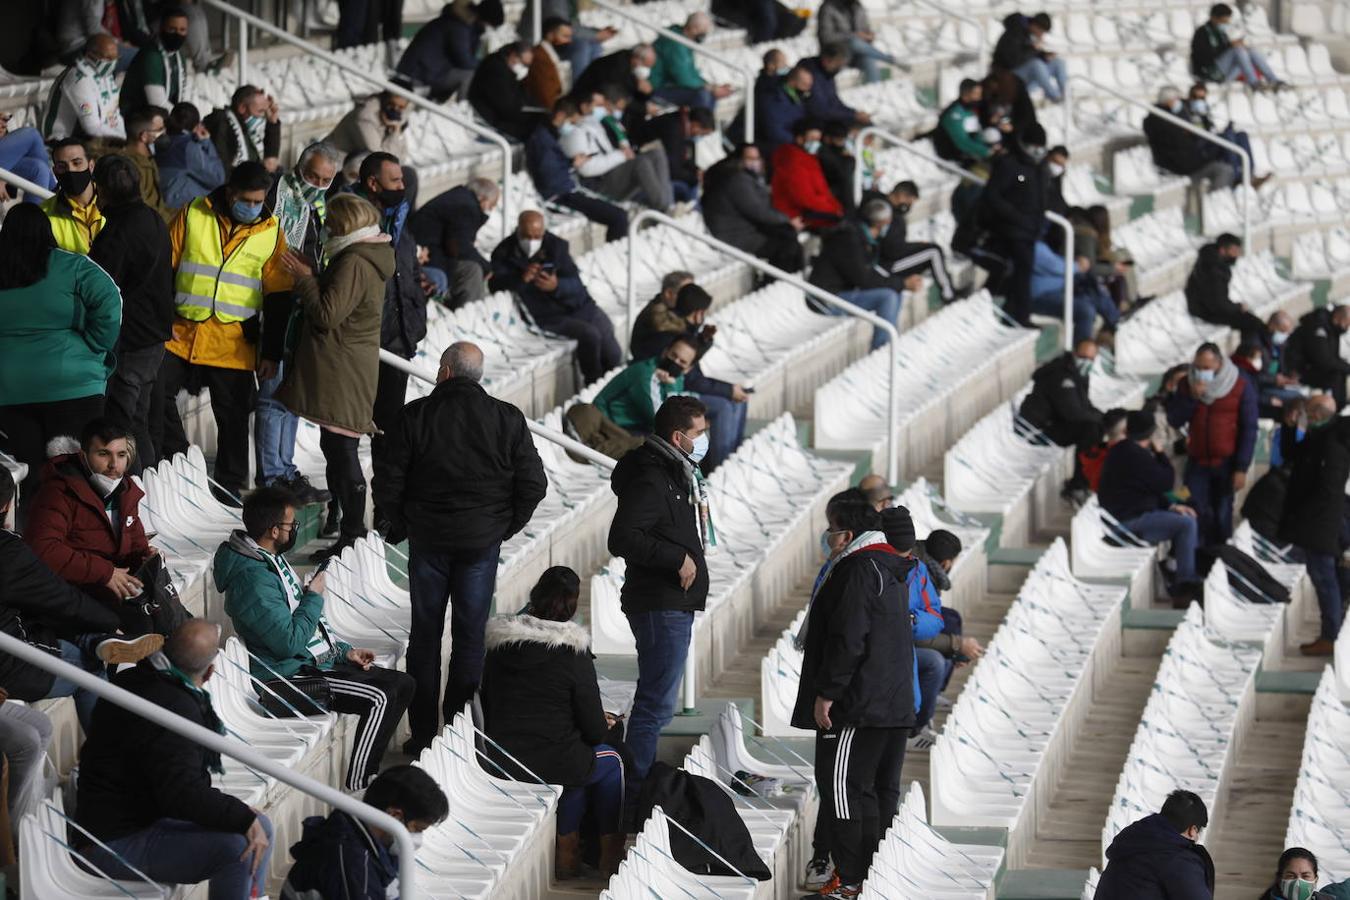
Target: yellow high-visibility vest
(207, 282)
(71, 233)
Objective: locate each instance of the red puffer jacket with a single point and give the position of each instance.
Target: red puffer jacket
(800, 189)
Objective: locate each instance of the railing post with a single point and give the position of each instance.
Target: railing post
(243, 52)
(1069, 265)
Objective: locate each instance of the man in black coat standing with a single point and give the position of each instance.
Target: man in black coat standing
(460, 477)
(1060, 407)
(1313, 351)
(1159, 857)
(1207, 288)
(447, 225)
(1013, 207)
(660, 529)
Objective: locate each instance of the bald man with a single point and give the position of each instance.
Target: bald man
(877, 490)
(83, 102)
(536, 265)
(461, 476)
(675, 76)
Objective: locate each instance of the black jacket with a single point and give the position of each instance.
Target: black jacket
(1313, 352)
(1013, 202)
(613, 68)
(860, 644)
(499, 97)
(1314, 501)
(227, 145)
(1174, 148)
(134, 249)
(133, 772)
(447, 226)
(703, 808)
(339, 858)
(509, 263)
(440, 46)
(1207, 288)
(738, 208)
(647, 342)
(540, 698)
(838, 168)
(895, 244)
(1207, 45)
(1134, 481)
(1014, 46)
(1150, 860)
(1059, 395)
(848, 260)
(655, 526)
(403, 323)
(461, 471)
(38, 607)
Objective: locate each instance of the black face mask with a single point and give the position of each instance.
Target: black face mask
(902, 208)
(172, 41)
(73, 184)
(285, 546)
(391, 197)
(670, 367)
(162, 144)
(392, 113)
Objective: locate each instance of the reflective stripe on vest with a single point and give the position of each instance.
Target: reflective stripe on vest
(207, 283)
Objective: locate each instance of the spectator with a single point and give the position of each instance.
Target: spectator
(904, 258)
(585, 45)
(630, 398)
(659, 321)
(544, 82)
(205, 57)
(248, 131)
(1313, 351)
(617, 172)
(738, 209)
(1013, 204)
(1060, 408)
(145, 796)
(536, 265)
(675, 76)
(230, 232)
(542, 710)
(73, 211)
(1218, 55)
(857, 691)
(377, 123)
(76, 22)
(83, 98)
(957, 137)
(845, 22)
(56, 339)
(925, 612)
(461, 477)
(1090, 298)
(369, 21)
(629, 69)
(24, 154)
(443, 53)
(189, 166)
(341, 856)
(157, 75)
(1006, 108)
(1197, 113)
(763, 20)
(847, 266)
(938, 552)
(1219, 403)
(1092, 460)
(1295, 876)
(1178, 151)
(1159, 855)
(134, 249)
(1314, 508)
(877, 492)
(144, 128)
(824, 104)
(799, 187)
(1021, 50)
(1261, 356)
(838, 164)
(281, 622)
(25, 735)
(497, 91)
(448, 226)
(551, 171)
(1056, 164)
(1208, 285)
(782, 107)
(1110, 264)
(661, 539)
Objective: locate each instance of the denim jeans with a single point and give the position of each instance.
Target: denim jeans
(885, 302)
(682, 96)
(61, 687)
(932, 671)
(465, 581)
(1322, 570)
(602, 795)
(662, 647)
(1165, 525)
(174, 851)
(1047, 74)
(1211, 490)
(866, 56)
(274, 429)
(24, 154)
(1088, 304)
(726, 428)
(1246, 62)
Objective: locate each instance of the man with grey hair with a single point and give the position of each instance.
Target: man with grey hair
(1177, 150)
(849, 266)
(460, 476)
(447, 226)
(675, 76)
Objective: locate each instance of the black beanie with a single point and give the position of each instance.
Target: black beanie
(898, 526)
(691, 299)
(1140, 425)
(942, 545)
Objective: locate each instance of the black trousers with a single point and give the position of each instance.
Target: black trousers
(612, 217)
(1021, 256)
(379, 697)
(233, 395)
(346, 481)
(917, 258)
(131, 391)
(782, 249)
(597, 348)
(25, 429)
(391, 390)
(1079, 435)
(858, 773)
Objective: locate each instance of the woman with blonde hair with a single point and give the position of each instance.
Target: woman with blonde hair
(332, 375)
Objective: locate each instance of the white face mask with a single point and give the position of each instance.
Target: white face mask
(700, 447)
(599, 113)
(520, 70)
(416, 840)
(531, 246)
(1055, 169)
(642, 72)
(104, 484)
(1279, 338)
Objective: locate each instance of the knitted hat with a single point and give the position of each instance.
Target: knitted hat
(898, 525)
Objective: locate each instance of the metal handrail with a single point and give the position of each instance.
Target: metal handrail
(247, 19)
(235, 749)
(1176, 120)
(747, 75)
(947, 166)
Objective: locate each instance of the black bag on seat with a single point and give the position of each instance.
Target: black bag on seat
(1249, 579)
(703, 807)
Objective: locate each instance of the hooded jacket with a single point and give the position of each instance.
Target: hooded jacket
(655, 526)
(540, 697)
(1207, 44)
(188, 169)
(133, 248)
(337, 857)
(1151, 860)
(1059, 396)
(1313, 352)
(799, 188)
(1207, 288)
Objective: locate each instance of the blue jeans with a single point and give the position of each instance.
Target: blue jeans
(1246, 62)
(438, 278)
(662, 647)
(682, 96)
(932, 671)
(885, 302)
(1211, 490)
(602, 794)
(1165, 525)
(726, 428)
(174, 851)
(84, 700)
(1047, 74)
(464, 580)
(24, 154)
(274, 428)
(1089, 302)
(1322, 570)
(866, 56)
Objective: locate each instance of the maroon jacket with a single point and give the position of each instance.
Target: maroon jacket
(69, 530)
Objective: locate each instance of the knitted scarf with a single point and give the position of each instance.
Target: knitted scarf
(247, 145)
(1224, 379)
(168, 671)
(697, 488)
(297, 200)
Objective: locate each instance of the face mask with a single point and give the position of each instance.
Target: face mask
(599, 113)
(391, 197)
(311, 192)
(825, 550)
(782, 70)
(531, 247)
(700, 447)
(700, 38)
(103, 68)
(74, 183)
(1176, 106)
(171, 41)
(1200, 107)
(1084, 365)
(104, 484)
(1296, 889)
(253, 121)
(670, 367)
(1035, 154)
(1226, 29)
(243, 213)
(1204, 376)
(642, 73)
(756, 167)
(520, 71)
(885, 229)
(566, 128)
(1055, 169)
(392, 113)
(812, 147)
(416, 840)
(285, 546)
(1257, 363)
(902, 208)
(1279, 338)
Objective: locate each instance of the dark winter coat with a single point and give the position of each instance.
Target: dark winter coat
(848, 260)
(824, 104)
(1313, 352)
(227, 144)
(838, 166)
(1207, 288)
(1150, 860)
(894, 244)
(776, 111)
(338, 858)
(444, 44)
(704, 809)
(1174, 148)
(737, 207)
(447, 225)
(1314, 502)
(1059, 396)
(508, 266)
(1014, 46)
(1207, 45)
(499, 97)
(133, 247)
(613, 68)
(549, 167)
(404, 320)
(1013, 202)
(1134, 481)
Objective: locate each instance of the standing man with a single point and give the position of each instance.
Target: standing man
(1313, 351)
(83, 101)
(144, 127)
(73, 211)
(1013, 205)
(459, 477)
(659, 531)
(1161, 855)
(157, 76)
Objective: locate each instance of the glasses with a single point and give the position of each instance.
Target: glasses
(291, 525)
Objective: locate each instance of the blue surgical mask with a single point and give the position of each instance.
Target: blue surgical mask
(812, 147)
(244, 213)
(253, 121)
(1203, 375)
(1200, 107)
(700, 447)
(566, 128)
(599, 113)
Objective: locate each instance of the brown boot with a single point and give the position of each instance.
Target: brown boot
(1319, 647)
(612, 850)
(567, 858)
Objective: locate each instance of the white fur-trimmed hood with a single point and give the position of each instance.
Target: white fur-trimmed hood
(525, 629)
(62, 445)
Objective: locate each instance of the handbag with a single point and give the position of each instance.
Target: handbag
(307, 693)
(158, 608)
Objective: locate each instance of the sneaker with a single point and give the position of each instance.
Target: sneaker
(115, 651)
(837, 890)
(305, 492)
(1319, 647)
(924, 739)
(819, 873)
(944, 702)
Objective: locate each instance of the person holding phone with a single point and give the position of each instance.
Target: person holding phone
(631, 398)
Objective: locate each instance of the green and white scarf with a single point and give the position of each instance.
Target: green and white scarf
(297, 200)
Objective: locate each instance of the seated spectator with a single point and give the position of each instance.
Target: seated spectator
(631, 398)
(1251, 357)
(585, 45)
(1207, 288)
(1060, 405)
(782, 107)
(497, 91)
(551, 170)
(73, 211)
(544, 82)
(799, 186)
(824, 104)
(25, 735)
(675, 76)
(957, 136)
(1092, 459)
(444, 52)
(157, 76)
(338, 855)
(23, 153)
(144, 128)
(536, 265)
(1021, 50)
(589, 426)
(248, 131)
(1295, 876)
(904, 258)
(374, 124)
(1197, 113)
(1111, 264)
(542, 710)
(763, 20)
(838, 163)
(926, 619)
(1313, 351)
(616, 172)
(845, 22)
(938, 552)
(189, 166)
(145, 797)
(1160, 855)
(281, 622)
(1218, 55)
(83, 99)
(1006, 109)
(1178, 151)
(738, 209)
(1090, 299)
(629, 69)
(658, 321)
(1135, 490)
(448, 225)
(847, 266)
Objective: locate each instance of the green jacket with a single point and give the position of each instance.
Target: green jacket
(627, 400)
(675, 65)
(57, 336)
(954, 122)
(152, 67)
(255, 601)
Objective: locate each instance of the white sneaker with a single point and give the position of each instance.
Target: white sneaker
(943, 702)
(115, 651)
(924, 740)
(818, 873)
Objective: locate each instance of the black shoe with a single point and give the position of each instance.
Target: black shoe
(413, 748)
(226, 498)
(305, 492)
(332, 521)
(334, 549)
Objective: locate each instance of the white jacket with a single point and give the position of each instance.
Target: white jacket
(590, 137)
(83, 104)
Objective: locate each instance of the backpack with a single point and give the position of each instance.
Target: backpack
(1248, 578)
(703, 807)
